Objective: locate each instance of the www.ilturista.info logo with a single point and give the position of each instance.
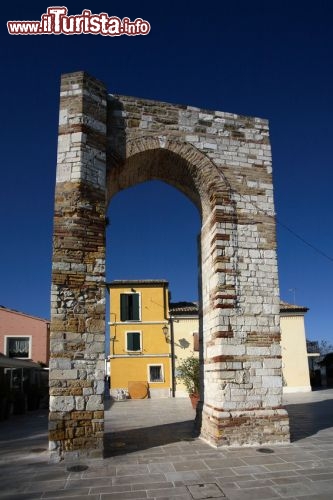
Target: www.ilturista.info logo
(57, 22)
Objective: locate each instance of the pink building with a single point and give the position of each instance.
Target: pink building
(24, 336)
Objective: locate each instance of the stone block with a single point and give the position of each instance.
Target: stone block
(79, 403)
(60, 364)
(95, 403)
(99, 387)
(95, 326)
(258, 351)
(81, 415)
(63, 374)
(98, 414)
(271, 381)
(61, 403)
(272, 362)
(56, 435)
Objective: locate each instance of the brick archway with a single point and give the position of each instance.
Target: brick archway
(173, 161)
(222, 163)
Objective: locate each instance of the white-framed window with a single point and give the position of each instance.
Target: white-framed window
(130, 307)
(155, 373)
(18, 346)
(133, 341)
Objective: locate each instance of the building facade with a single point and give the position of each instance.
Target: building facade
(184, 320)
(295, 363)
(24, 336)
(140, 343)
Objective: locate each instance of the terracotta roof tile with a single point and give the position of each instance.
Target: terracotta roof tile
(14, 311)
(137, 282)
(285, 307)
(192, 308)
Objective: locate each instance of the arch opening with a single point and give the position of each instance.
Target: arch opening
(156, 249)
(149, 217)
(172, 166)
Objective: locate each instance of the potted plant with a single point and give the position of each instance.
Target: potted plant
(189, 373)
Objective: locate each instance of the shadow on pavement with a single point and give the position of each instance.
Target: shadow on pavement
(108, 403)
(22, 433)
(27, 426)
(307, 419)
(131, 440)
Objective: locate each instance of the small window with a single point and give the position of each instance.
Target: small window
(133, 341)
(156, 373)
(130, 307)
(18, 347)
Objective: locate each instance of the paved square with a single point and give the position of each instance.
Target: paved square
(208, 490)
(150, 453)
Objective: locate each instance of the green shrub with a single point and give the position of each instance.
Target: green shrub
(189, 372)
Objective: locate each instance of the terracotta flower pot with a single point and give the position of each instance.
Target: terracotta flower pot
(194, 400)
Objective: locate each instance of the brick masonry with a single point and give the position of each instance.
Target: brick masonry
(222, 162)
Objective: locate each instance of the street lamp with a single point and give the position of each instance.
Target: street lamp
(165, 330)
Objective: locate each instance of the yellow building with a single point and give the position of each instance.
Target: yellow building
(140, 345)
(295, 364)
(184, 318)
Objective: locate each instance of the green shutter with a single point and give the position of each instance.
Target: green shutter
(129, 307)
(135, 307)
(136, 341)
(123, 307)
(133, 341)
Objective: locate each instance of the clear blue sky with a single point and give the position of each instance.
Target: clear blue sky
(271, 59)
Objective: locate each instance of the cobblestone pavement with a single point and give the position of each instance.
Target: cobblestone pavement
(150, 453)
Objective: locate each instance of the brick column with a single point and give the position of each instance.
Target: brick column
(76, 419)
(241, 334)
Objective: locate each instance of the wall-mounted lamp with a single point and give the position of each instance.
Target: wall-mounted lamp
(165, 330)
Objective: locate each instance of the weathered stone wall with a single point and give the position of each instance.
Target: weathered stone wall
(78, 273)
(222, 162)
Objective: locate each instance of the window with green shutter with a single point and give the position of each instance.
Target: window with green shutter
(129, 307)
(133, 341)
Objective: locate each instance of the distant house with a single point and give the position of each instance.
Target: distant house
(140, 345)
(184, 319)
(295, 367)
(317, 372)
(295, 364)
(24, 336)
(325, 364)
(24, 343)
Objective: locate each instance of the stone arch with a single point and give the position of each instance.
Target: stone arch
(222, 162)
(177, 163)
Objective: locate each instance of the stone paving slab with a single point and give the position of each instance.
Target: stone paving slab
(152, 454)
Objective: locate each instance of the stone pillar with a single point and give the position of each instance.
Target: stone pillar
(77, 349)
(241, 331)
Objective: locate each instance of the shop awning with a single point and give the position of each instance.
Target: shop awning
(6, 362)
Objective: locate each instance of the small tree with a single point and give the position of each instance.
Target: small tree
(189, 373)
(325, 347)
